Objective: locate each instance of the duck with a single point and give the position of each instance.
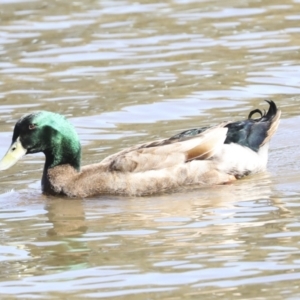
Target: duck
(202, 156)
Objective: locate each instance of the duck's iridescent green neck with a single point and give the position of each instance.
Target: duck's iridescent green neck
(64, 151)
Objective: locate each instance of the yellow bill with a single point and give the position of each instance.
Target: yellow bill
(14, 153)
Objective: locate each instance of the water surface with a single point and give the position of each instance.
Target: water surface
(126, 72)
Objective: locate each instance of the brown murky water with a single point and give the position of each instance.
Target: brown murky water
(126, 72)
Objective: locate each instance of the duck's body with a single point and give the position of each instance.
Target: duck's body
(202, 156)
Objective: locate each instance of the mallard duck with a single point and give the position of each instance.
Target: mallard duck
(200, 156)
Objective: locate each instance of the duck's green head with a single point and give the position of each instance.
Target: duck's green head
(45, 132)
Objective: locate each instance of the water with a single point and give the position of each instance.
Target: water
(126, 72)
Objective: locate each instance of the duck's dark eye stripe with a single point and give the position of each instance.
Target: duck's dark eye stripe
(31, 126)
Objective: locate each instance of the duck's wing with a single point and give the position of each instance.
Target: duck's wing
(169, 152)
(250, 133)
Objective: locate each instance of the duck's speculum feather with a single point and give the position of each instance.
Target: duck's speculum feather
(188, 133)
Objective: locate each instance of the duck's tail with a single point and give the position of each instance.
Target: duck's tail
(271, 118)
(254, 133)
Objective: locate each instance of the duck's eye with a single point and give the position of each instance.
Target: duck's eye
(31, 126)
